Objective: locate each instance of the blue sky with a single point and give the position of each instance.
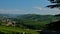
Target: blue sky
(26, 7)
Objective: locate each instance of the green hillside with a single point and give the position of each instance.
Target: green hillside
(25, 23)
(15, 30)
(34, 21)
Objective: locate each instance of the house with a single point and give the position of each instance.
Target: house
(11, 23)
(8, 22)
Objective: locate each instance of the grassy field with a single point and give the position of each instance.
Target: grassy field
(15, 30)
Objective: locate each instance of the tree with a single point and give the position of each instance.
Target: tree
(54, 26)
(55, 4)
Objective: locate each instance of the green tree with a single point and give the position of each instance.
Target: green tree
(55, 4)
(54, 25)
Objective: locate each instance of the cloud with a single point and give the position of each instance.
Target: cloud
(42, 10)
(11, 11)
(38, 8)
(34, 10)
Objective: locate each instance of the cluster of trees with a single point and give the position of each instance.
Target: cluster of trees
(54, 26)
(56, 4)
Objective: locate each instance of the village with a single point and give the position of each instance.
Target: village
(7, 21)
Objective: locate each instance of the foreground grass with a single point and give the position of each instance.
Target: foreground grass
(15, 29)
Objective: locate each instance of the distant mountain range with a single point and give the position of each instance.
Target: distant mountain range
(33, 16)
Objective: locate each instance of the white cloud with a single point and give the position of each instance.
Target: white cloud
(34, 10)
(11, 11)
(38, 8)
(42, 10)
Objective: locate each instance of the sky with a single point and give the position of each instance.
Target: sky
(26, 7)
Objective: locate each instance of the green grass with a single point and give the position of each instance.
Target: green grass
(15, 29)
